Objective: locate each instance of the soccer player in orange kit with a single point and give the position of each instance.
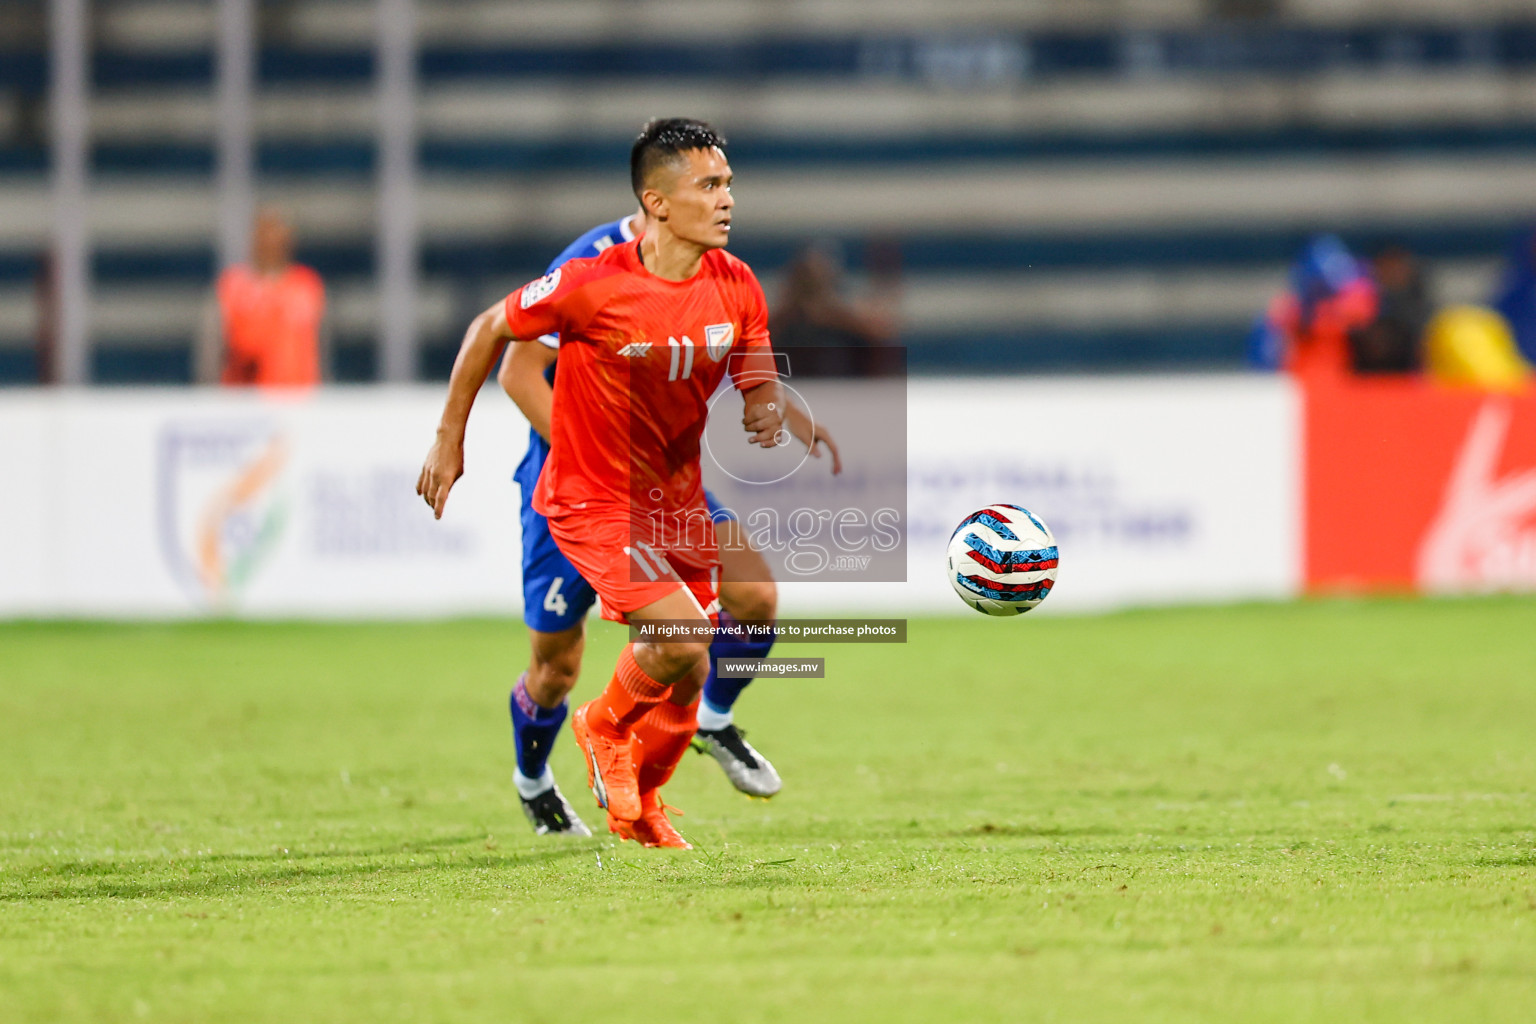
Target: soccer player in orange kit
(268, 328)
(556, 598)
(622, 489)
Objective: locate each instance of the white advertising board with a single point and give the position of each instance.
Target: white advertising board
(170, 503)
(174, 503)
(1159, 490)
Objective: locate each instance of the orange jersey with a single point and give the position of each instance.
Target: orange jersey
(640, 358)
(271, 326)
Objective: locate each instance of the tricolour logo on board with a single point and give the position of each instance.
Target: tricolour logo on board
(543, 288)
(220, 503)
(717, 340)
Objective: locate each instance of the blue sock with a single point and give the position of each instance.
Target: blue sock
(534, 730)
(720, 694)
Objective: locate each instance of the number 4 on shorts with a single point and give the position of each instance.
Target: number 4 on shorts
(554, 601)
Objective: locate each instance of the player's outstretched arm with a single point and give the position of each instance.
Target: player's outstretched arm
(488, 334)
(763, 417)
(811, 434)
(522, 378)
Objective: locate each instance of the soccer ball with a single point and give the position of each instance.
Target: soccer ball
(1002, 560)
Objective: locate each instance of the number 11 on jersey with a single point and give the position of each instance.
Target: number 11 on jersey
(681, 350)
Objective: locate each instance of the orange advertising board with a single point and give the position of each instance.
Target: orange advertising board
(1412, 486)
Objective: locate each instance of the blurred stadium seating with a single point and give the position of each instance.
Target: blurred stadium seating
(1072, 184)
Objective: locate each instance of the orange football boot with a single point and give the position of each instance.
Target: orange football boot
(653, 828)
(610, 768)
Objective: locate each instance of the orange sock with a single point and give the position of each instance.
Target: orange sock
(661, 739)
(629, 695)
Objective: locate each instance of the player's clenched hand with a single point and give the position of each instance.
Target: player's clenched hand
(764, 415)
(444, 466)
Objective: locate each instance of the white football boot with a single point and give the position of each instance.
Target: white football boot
(748, 770)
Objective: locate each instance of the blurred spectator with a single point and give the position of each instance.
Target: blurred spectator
(837, 337)
(1471, 346)
(1516, 296)
(265, 328)
(1307, 329)
(1393, 342)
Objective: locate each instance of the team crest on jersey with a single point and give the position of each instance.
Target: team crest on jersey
(718, 338)
(545, 286)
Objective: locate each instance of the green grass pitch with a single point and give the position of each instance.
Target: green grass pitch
(1318, 811)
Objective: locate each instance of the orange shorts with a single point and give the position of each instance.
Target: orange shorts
(616, 555)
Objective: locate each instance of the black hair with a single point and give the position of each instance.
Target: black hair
(662, 141)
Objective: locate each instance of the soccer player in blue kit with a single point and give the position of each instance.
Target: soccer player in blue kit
(556, 599)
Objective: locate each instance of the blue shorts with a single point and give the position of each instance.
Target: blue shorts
(555, 597)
